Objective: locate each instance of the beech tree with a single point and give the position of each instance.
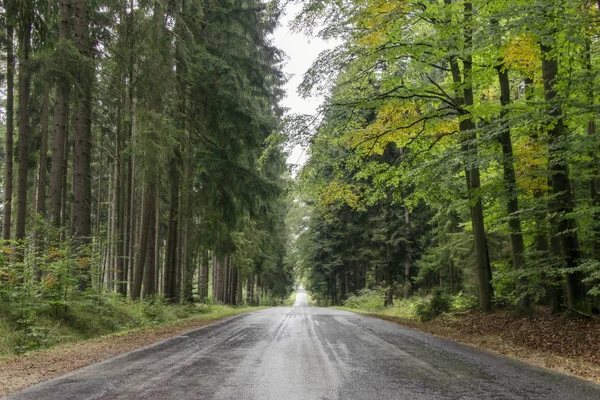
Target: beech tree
(486, 93)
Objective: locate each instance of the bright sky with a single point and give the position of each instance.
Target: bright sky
(301, 52)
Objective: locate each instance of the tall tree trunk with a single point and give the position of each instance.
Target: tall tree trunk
(61, 118)
(510, 185)
(226, 281)
(553, 292)
(65, 184)
(389, 290)
(41, 195)
(215, 278)
(407, 254)
(10, 101)
(593, 134)
(147, 222)
(81, 224)
(24, 128)
(188, 265)
(562, 202)
(172, 231)
(467, 128)
(149, 275)
(110, 221)
(203, 277)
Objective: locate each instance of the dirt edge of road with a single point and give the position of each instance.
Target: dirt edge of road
(19, 372)
(505, 338)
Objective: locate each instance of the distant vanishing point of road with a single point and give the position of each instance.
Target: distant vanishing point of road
(309, 353)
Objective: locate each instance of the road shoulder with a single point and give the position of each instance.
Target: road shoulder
(511, 337)
(19, 372)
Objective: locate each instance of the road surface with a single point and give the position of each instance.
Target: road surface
(308, 353)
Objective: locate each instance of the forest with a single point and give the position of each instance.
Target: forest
(141, 155)
(456, 153)
(145, 157)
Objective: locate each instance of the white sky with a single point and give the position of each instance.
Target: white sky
(301, 51)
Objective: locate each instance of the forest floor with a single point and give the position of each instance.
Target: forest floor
(20, 371)
(559, 342)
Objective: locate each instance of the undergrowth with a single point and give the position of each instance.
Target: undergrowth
(413, 308)
(23, 330)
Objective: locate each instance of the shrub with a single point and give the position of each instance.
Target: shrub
(427, 309)
(366, 299)
(463, 301)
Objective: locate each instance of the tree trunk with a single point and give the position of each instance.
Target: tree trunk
(189, 266)
(562, 202)
(149, 275)
(81, 223)
(214, 277)
(389, 291)
(226, 281)
(61, 118)
(407, 254)
(41, 195)
(146, 228)
(172, 234)
(10, 101)
(467, 128)
(510, 185)
(133, 211)
(595, 162)
(203, 277)
(24, 128)
(65, 183)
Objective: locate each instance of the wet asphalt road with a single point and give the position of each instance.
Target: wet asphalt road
(309, 353)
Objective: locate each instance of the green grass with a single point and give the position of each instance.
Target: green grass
(26, 330)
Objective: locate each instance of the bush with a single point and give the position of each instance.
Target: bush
(367, 299)
(463, 301)
(30, 335)
(427, 309)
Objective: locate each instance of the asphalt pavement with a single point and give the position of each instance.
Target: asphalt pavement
(306, 353)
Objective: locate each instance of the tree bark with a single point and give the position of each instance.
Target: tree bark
(149, 275)
(203, 277)
(467, 128)
(148, 211)
(65, 183)
(172, 234)
(24, 127)
(510, 183)
(81, 224)
(592, 133)
(41, 195)
(407, 254)
(562, 202)
(10, 101)
(59, 135)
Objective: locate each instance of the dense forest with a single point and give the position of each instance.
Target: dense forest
(457, 151)
(141, 153)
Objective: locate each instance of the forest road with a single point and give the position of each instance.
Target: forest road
(302, 352)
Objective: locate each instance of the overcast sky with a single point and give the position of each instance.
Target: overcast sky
(301, 52)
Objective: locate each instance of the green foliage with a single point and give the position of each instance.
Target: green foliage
(89, 317)
(398, 132)
(462, 301)
(366, 299)
(428, 308)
